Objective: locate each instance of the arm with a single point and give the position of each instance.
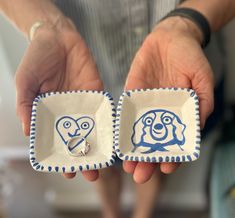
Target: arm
(217, 12)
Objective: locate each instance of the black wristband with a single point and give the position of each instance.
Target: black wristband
(197, 18)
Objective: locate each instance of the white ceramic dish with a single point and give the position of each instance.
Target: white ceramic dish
(74, 119)
(159, 125)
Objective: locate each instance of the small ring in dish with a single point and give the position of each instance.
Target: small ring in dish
(78, 146)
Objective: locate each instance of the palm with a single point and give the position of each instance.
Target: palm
(166, 62)
(59, 65)
(170, 61)
(54, 63)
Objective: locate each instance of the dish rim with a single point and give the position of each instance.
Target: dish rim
(168, 158)
(81, 167)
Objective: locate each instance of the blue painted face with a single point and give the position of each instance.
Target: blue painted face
(157, 129)
(68, 127)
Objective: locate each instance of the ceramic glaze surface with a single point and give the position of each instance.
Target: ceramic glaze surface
(158, 125)
(158, 129)
(68, 128)
(72, 138)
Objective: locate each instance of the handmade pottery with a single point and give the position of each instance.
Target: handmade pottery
(72, 131)
(159, 125)
(81, 130)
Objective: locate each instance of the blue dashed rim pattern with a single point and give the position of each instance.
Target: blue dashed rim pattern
(158, 158)
(32, 156)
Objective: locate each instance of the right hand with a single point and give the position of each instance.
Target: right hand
(171, 56)
(57, 59)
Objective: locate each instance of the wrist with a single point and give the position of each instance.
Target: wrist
(181, 25)
(63, 33)
(56, 26)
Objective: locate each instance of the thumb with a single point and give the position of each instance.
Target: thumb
(203, 84)
(136, 78)
(135, 83)
(26, 90)
(140, 75)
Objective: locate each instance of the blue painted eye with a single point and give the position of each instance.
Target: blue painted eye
(167, 120)
(148, 121)
(67, 124)
(85, 125)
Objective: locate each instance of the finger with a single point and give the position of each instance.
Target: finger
(203, 84)
(27, 88)
(143, 172)
(140, 75)
(91, 175)
(24, 113)
(69, 175)
(129, 166)
(206, 108)
(168, 168)
(25, 94)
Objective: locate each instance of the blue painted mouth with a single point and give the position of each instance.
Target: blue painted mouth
(157, 132)
(74, 135)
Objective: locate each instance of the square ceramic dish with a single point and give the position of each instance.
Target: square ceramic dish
(59, 118)
(159, 125)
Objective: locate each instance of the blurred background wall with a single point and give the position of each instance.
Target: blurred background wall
(27, 192)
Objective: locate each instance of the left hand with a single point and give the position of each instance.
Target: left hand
(171, 56)
(57, 59)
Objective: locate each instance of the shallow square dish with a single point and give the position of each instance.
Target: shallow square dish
(58, 117)
(159, 125)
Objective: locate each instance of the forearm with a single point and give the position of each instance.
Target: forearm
(217, 12)
(24, 13)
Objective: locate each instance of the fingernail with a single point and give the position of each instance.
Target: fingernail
(23, 127)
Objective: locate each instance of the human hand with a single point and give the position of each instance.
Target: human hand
(56, 60)
(171, 56)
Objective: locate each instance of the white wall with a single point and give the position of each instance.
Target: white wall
(11, 49)
(14, 43)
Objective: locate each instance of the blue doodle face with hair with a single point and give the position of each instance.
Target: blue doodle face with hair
(68, 128)
(157, 129)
